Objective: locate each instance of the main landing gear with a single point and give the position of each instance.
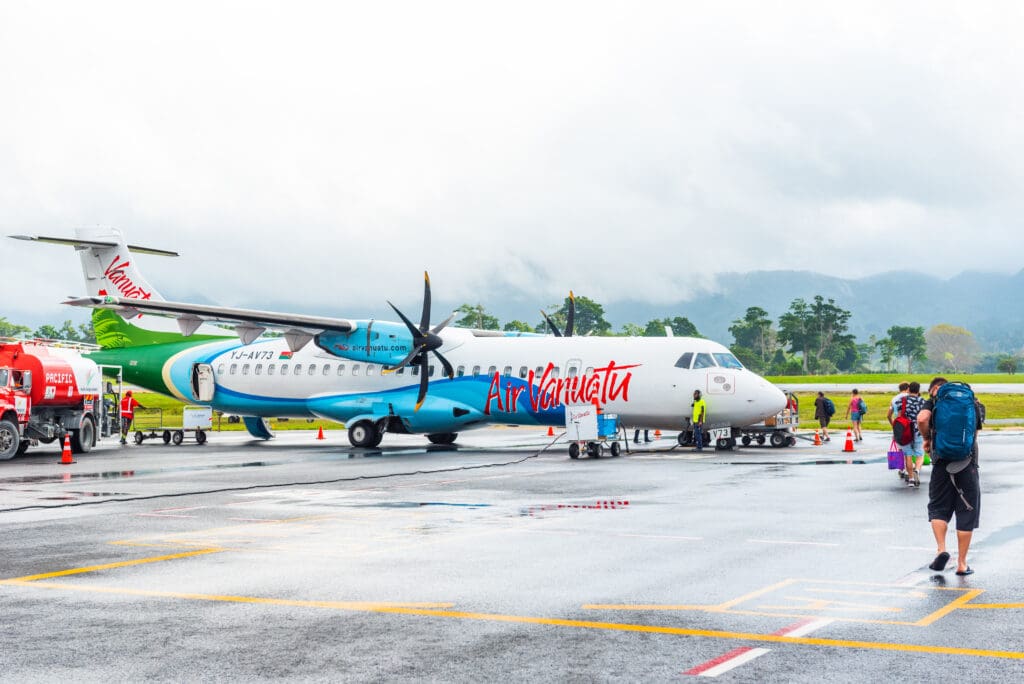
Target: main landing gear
(365, 433)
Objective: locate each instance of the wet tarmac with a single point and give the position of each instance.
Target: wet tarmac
(501, 559)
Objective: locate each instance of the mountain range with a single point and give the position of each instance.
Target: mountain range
(990, 305)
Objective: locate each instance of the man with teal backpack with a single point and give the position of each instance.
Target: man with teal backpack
(949, 423)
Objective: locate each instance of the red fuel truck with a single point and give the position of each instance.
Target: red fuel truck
(45, 392)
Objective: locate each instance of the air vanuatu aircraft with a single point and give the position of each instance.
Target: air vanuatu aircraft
(380, 376)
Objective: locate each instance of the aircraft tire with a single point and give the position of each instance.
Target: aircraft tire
(443, 437)
(685, 438)
(364, 434)
(745, 440)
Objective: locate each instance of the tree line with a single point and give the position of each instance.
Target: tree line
(810, 338)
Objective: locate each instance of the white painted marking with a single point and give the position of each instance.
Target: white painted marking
(804, 630)
(782, 541)
(742, 658)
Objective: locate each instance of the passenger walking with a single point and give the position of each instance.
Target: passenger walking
(954, 488)
(824, 409)
(128, 406)
(909, 404)
(700, 414)
(855, 411)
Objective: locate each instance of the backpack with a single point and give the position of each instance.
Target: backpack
(902, 427)
(830, 408)
(954, 421)
(862, 407)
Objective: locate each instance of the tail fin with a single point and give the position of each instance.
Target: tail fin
(109, 269)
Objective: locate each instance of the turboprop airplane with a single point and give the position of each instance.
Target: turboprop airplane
(381, 376)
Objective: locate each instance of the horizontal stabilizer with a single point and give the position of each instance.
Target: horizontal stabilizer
(82, 244)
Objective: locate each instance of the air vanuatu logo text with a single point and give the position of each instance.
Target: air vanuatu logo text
(115, 273)
(602, 385)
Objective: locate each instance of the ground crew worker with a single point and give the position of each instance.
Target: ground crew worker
(700, 413)
(128, 406)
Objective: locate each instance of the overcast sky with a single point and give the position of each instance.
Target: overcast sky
(325, 154)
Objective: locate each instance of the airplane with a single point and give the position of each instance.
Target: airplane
(379, 376)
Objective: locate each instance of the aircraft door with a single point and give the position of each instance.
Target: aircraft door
(202, 382)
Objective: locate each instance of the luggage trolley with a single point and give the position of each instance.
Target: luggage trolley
(588, 428)
(149, 424)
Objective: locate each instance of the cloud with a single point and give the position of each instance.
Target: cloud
(326, 154)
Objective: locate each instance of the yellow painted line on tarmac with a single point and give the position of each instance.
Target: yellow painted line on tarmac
(641, 606)
(408, 609)
(746, 597)
(958, 602)
(994, 606)
(108, 566)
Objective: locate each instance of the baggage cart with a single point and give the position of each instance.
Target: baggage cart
(588, 428)
(149, 424)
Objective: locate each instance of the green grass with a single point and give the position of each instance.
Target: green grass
(997, 406)
(171, 417)
(892, 378)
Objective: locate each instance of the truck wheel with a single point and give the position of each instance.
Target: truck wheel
(200, 437)
(777, 439)
(615, 449)
(10, 439)
(82, 438)
(574, 450)
(178, 437)
(745, 439)
(167, 436)
(139, 437)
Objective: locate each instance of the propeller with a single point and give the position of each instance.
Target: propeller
(424, 339)
(570, 318)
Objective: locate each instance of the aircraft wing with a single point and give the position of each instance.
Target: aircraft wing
(248, 323)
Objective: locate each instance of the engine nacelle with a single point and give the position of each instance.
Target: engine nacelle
(389, 343)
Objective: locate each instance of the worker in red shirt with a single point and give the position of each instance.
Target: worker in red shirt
(128, 406)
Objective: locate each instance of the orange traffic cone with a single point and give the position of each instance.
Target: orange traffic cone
(65, 455)
(817, 438)
(657, 434)
(551, 431)
(848, 447)
(320, 433)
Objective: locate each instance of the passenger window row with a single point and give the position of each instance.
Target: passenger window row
(356, 369)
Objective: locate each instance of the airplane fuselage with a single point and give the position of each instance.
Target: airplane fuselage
(512, 380)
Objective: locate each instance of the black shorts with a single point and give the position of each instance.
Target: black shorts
(823, 422)
(944, 500)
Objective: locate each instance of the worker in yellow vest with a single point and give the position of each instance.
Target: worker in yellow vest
(700, 414)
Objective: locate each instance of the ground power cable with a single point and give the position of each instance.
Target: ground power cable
(221, 490)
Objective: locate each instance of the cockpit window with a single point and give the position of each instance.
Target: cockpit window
(704, 361)
(685, 360)
(727, 360)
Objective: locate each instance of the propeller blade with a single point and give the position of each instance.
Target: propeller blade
(444, 324)
(551, 324)
(416, 333)
(425, 318)
(571, 315)
(448, 370)
(424, 380)
(412, 355)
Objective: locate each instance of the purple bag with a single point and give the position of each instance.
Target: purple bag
(895, 456)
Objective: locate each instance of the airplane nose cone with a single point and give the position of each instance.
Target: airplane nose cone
(769, 400)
